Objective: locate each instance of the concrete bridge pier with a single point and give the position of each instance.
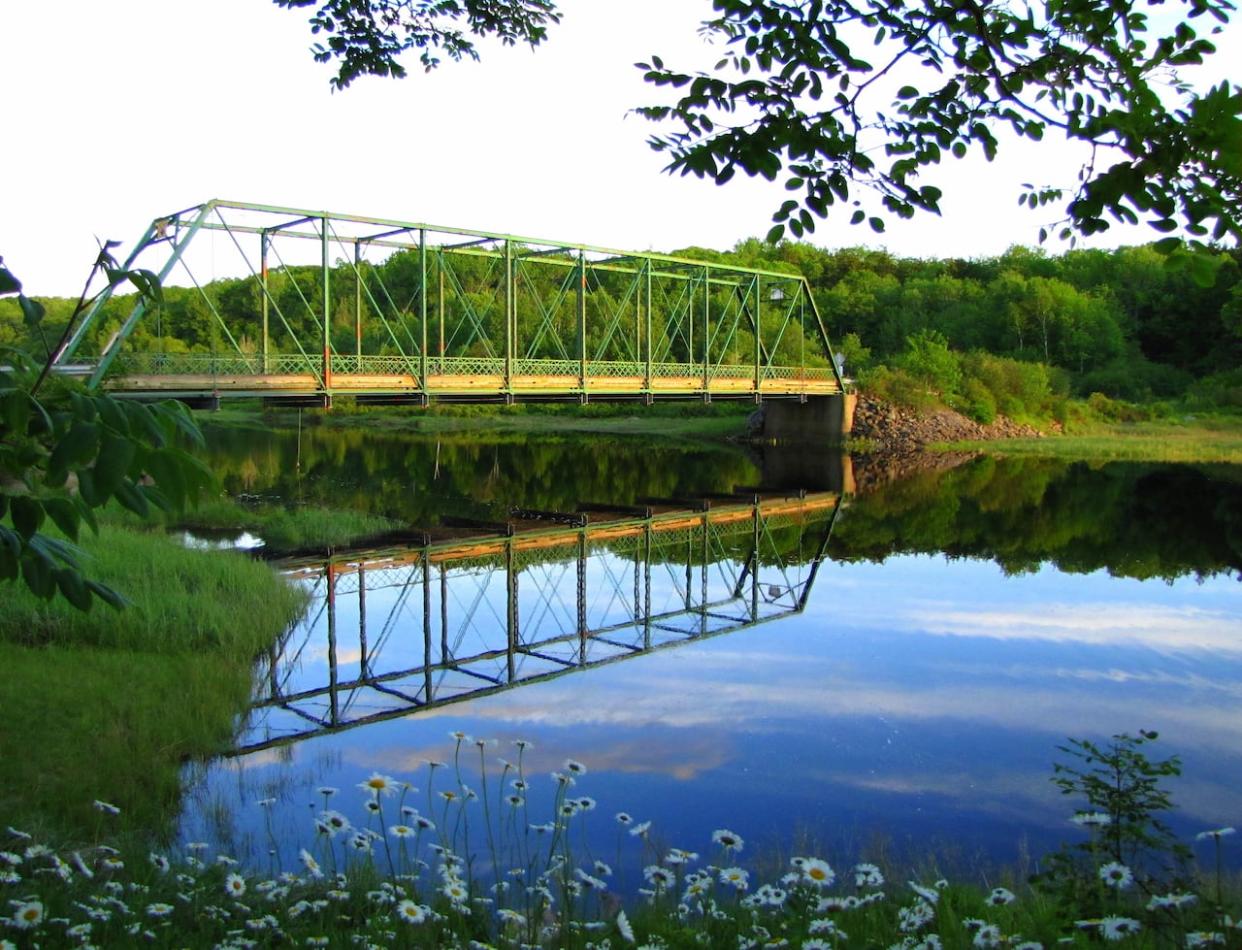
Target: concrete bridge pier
(821, 420)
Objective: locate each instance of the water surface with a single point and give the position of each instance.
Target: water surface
(888, 672)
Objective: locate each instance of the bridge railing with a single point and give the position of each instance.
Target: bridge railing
(442, 369)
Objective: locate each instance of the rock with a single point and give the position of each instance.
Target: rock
(891, 426)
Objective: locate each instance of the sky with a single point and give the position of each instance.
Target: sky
(121, 112)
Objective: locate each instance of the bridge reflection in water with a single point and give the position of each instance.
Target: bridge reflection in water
(400, 630)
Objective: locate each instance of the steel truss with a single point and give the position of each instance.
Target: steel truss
(467, 619)
(373, 307)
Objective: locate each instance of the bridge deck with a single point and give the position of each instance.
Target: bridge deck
(448, 386)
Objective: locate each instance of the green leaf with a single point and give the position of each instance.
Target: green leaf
(38, 572)
(65, 514)
(86, 489)
(74, 588)
(148, 285)
(32, 310)
(116, 454)
(27, 515)
(907, 92)
(129, 496)
(111, 414)
(775, 233)
(10, 566)
(77, 447)
(15, 411)
(107, 595)
(10, 543)
(8, 283)
(87, 514)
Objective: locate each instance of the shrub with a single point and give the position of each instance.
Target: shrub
(1135, 379)
(1219, 391)
(1117, 410)
(929, 359)
(977, 402)
(897, 386)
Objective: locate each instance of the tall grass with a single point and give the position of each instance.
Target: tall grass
(1196, 440)
(181, 600)
(108, 704)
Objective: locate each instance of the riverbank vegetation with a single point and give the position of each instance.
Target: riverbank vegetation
(109, 703)
(1193, 439)
(498, 859)
(1086, 344)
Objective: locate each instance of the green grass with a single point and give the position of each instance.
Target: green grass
(1214, 439)
(182, 600)
(109, 704)
(288, 530)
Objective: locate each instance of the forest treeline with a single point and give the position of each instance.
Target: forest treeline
(1023, 331)
(1018, 333)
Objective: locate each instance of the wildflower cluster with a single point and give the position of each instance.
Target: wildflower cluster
(414, 868)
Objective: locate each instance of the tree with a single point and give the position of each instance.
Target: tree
(795, 94)
(368, 37)
(65, 453)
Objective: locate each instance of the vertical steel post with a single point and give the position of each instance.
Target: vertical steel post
(707, 339)
(707, 527)
(363, 662)
(444, 650)
(647, 385)
(422, 308)
(582, 332)
(754, 575)
(690, 321)
(264, 304)
(647, 585)
(358, 304)
(508, 320)
(440, 272)
(582, 605)
(334, 708)
(425, 564)
(327, 314)
(756, 286)
(689, 599)
(511, 613)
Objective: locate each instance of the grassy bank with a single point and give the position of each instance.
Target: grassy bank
(285, 531)
(106, 705)
(1215, 439)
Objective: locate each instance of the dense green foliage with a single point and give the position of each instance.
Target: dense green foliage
(376, 309)
(65, 452)
(1026, 327)
(365, 43)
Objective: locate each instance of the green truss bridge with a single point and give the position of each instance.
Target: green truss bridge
(303, 306)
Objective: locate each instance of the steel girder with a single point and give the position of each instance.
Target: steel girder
(286, 301)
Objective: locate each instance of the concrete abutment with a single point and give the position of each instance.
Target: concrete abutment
(821, 420)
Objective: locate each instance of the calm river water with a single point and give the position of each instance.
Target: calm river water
(925, 645)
